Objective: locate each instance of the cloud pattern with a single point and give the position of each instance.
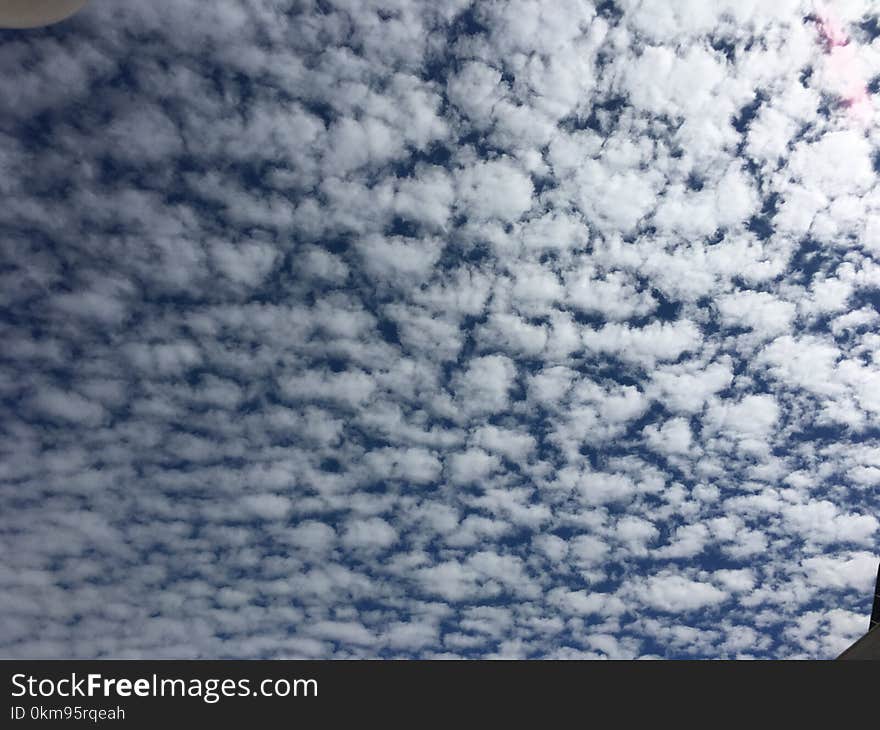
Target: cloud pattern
(438, 329)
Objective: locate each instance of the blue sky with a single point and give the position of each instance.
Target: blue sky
(408, 329)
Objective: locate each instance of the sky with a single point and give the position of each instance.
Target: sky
(398, 329)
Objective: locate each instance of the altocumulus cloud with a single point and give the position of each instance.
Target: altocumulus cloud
(436, 329)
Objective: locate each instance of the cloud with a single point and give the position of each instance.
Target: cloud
(676, 593)
(267, 506)
(484, 386)
(509, 329)
(371, 533)
(494, 189)
(673, 437)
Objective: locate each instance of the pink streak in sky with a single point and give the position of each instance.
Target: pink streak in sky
(844, 66)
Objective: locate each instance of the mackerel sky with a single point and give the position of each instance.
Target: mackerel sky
(440, 329)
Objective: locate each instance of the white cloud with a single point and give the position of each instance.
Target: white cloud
(656, 341)
(373, 533)
(673, 437)
(509, 329)
(759, 311)
(484, 386)
(267, 506)
(752, 417)
(494, 189)
(676, 593)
